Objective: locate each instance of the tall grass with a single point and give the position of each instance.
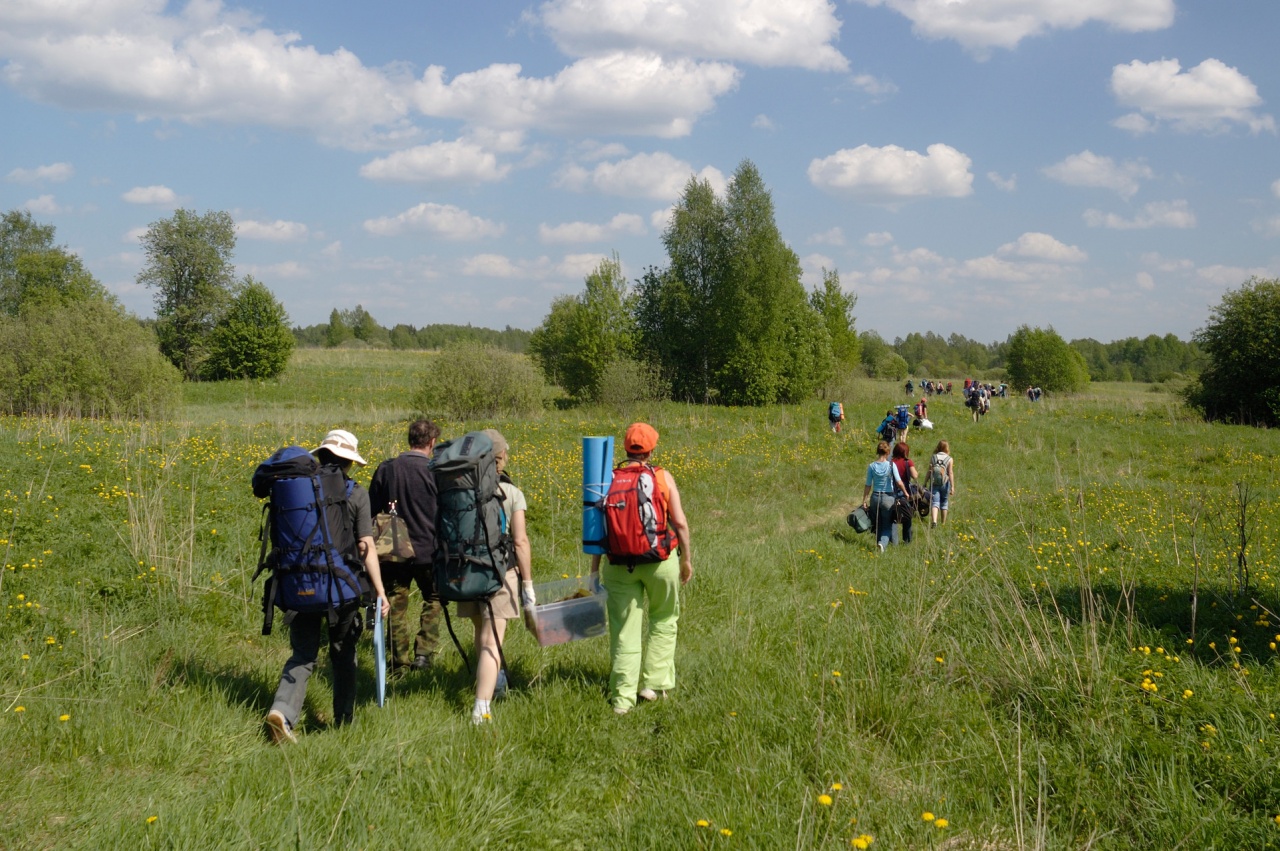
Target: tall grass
(1022, 673)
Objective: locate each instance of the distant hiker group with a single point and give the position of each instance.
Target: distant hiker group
(446, 518)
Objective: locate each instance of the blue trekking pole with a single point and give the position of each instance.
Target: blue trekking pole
(379, 655)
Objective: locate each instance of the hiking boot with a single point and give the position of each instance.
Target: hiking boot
(421, 663)
(279, 729)
(649, 694)
(500, 687)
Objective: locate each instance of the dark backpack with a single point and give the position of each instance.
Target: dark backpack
(473, 548)
(635, 517)
(312, 559)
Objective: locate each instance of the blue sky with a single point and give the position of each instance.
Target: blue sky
(1107, 167)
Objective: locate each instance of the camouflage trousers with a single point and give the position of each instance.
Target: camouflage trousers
(398, 580)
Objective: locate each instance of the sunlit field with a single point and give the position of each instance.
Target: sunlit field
(1085, 655)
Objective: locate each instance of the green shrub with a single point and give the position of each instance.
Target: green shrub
(87, 358)
(626, 381)
(471, 381)
(252, 339)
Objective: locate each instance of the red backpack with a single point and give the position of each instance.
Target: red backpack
(635, 517)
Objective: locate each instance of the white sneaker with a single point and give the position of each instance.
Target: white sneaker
(650, 694)
(279, 729)
(880, 545)
(620, 710)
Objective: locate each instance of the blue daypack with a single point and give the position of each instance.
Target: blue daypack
(836, 411)
(313, 562)
(903, 417)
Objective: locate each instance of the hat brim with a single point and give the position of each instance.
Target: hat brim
(342, 452)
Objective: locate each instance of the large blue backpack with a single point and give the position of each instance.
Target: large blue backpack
(313, 562)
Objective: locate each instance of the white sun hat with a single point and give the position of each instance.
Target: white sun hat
(343, 444)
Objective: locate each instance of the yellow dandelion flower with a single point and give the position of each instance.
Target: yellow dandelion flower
(941, 823)
(835, 673)
(1186, 694)
(19, 709)
(836, 787)
(825, 800)
(152, 819)
(724, 831)
(703, 823)
(926, 816)
(64, 717)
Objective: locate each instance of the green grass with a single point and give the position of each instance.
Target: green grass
(991, 673)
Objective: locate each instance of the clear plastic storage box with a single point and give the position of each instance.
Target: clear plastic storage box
(568, 609)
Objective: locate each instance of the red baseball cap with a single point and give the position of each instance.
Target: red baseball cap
(640, 438)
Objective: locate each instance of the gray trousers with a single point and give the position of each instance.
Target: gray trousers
(304, 638)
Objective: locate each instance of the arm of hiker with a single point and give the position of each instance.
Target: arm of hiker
(367, 552)
(951, 474)
(524, 559)
(680, 524)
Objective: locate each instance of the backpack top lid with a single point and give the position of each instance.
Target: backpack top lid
(285, 463)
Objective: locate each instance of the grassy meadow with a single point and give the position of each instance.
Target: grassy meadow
(1070, 662)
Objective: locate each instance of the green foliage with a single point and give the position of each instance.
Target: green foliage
(34, 270)
(836, 308)
(890, 364)
(189, 267)
(85, 358)
(627, 382)
(364, 327)
(1151, 358)
(931, 355)
(1241, 382)
(1040, 358)
(252, 338)
(729, 318)
(338, 331)
(472, 380)
(583, 335)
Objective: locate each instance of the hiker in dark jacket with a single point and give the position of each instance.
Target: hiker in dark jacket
(407, 481)
(339, 448)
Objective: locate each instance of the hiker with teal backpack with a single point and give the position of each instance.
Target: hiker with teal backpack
(322, 554)
(482, 551)
(835, 414)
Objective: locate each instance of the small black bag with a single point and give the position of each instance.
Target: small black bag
(903, 510)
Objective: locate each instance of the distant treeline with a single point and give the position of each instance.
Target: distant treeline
(356, 328)
(1151, 358)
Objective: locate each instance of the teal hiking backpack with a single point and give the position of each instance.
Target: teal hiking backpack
(473, 547)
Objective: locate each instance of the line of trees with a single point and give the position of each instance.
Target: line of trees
(357, 328)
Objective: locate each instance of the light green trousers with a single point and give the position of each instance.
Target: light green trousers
(638, 664)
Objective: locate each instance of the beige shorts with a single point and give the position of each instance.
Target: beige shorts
(505, 603)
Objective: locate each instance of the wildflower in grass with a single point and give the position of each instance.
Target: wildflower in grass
(825, 800)
(152, 819)
(64, 717)
(703, 823)
(19, 709)
(926, 816)
(862, 842)
(1277, 819)
(724, 831)
(939, 659)
(26, 656)
(941, 824)
(51, 640)
(835, 673)
(1186, 694)
(836, 787)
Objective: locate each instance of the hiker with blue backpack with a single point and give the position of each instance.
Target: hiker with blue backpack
(835, 415)
(649, 558)
(883, 485)
(407, 485)
(322, 554)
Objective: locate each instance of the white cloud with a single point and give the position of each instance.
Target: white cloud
(834, 236)
(892, 172)
(918, 257)
(158, 195)
(1210, 97)
(204, 63)
(333, 250)
(980, 25)
(878, 239)
(491, 266)
(53, 173)
(460, 161)
(1232, 276)
(659, 219)
(44, 205)
(1269, 226)
(630, 93)
(874, 86)
(289, 269)
(134, 235)
(1088, 169)
(1004, 184)
(1135, 123)
(444, 220)
(1041, 246)
(577, 266)
(277, 231)
(1275, 189)
(760, 32)
(762, 122)
(659, 176)
(812, 266)
(1157, 214)
(623, 224)
(1145, 281)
